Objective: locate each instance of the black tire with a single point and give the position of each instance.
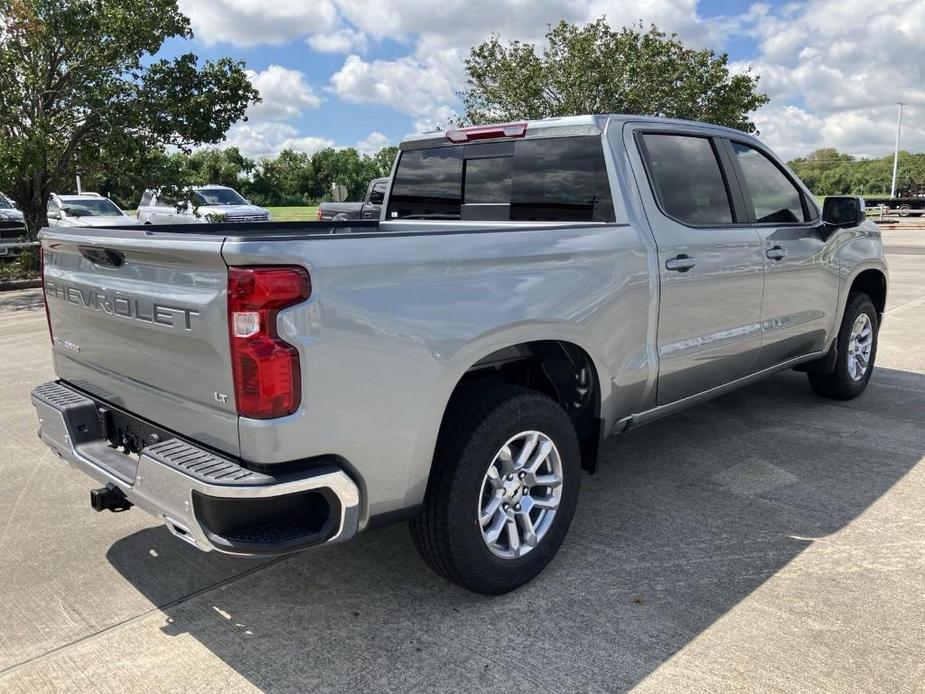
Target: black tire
(839, 385)
(446, 529)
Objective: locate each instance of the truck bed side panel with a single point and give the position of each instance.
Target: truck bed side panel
(396, 319)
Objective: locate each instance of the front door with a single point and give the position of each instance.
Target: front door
(711, 264)
(801, 276)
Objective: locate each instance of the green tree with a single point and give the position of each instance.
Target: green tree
(596, 69)
(285, 180)
(81, 90)
(830, 172)
(225, 167)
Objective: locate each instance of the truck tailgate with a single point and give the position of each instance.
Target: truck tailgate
(140, 320)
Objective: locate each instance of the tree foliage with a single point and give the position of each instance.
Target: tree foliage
(596, 69)
(290, 178)
(81, 93)
(830, 172)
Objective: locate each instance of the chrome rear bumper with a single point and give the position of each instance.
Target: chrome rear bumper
(209, 501)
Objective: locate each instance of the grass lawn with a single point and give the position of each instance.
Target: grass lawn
(293, 214)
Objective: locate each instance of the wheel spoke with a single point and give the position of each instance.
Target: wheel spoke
(513, 536)
(546, 502)
(494, 477)
(551, 480)
(506, 459)
(525, 452)
(490, 509)
(493, 532)
(526, 523)
(539, 457)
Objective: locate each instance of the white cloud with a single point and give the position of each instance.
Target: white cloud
(269, 139)
(284, 94)
(255, 22)
(340, 41)
(373, 143)
(834, 70)
(410, 85)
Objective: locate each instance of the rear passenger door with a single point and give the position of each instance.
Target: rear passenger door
(710, 260)
(801, 276)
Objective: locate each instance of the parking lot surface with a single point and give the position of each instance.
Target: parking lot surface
(768, 540)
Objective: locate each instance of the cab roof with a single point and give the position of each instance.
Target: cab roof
(558, 127)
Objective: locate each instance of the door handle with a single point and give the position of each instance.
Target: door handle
(776, 253)
(681, 263)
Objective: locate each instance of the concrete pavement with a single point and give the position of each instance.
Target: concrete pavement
(766, 541)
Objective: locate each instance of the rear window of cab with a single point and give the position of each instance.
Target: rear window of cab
(534, 180)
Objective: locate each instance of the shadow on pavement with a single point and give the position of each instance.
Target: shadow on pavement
(16, 301)
(685, 519)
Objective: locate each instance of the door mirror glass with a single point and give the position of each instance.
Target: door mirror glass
(843, 210)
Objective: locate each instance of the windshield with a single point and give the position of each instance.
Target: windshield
(218, 196)
(91, 208)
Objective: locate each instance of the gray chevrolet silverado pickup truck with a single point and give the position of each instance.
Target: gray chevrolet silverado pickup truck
(531, 289)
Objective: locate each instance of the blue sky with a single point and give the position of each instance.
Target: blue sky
(361, 73)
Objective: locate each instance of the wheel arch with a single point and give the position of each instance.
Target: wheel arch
(560, 368)
(872, 282)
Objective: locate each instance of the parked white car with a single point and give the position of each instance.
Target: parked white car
(8, 211)
(208, 204)
(85, 210)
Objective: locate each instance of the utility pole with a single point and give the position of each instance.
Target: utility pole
(899, 125)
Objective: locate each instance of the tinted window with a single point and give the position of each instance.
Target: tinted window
(377, 194)
(562, 179)
(488, 180)
(428, 183)
(146, 198)
(550, 179)
(686, 179)
(773, 196)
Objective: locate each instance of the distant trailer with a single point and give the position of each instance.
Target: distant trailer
(904, 207)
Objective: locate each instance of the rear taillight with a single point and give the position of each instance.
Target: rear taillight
(267, 377)
(318, 215)
(51, 333)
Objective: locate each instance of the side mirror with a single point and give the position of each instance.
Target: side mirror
(376, 197)
(843, 210)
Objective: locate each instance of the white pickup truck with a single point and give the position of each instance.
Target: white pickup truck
(531, 289)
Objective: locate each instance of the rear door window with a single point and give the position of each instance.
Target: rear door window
(549, 179)
(686, 179)
(561, 179)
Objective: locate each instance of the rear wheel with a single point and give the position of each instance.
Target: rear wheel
(502, 491)
(857, 350)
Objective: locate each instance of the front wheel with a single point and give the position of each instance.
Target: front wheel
(857, 350)
(502, 491)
